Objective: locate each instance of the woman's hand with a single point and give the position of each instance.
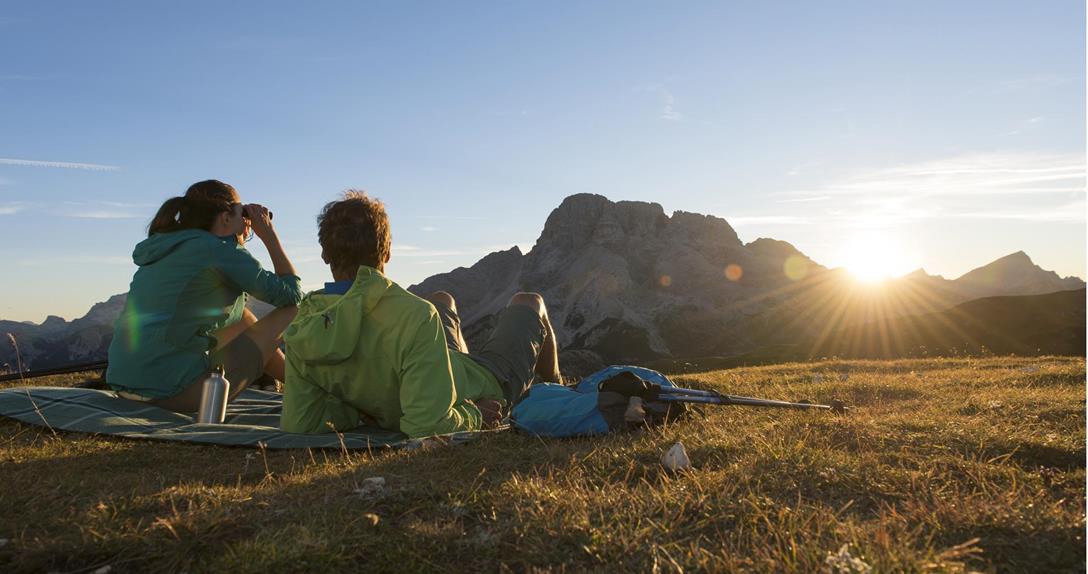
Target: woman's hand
(260, 219)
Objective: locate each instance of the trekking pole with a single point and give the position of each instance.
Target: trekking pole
(95, 366)
(679, 395)
(631, 385)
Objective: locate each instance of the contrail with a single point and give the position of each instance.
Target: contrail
(60, 164)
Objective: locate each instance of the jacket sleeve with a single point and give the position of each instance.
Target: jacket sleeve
(428, 397)
(308, 408)
(240, 268)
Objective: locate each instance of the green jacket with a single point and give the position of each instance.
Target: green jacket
(189, 284)
(378, 351)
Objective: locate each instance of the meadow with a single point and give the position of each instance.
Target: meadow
(943, 465)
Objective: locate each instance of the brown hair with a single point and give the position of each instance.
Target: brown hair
(354, 231)
(197, 209)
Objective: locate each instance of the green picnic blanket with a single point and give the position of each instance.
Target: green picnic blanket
(253, 419)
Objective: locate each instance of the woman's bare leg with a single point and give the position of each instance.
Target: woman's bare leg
(229, 333)
(267, 336)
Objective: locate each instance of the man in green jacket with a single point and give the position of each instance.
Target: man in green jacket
(366, 347)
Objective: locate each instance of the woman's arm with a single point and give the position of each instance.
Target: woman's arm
(262, 227)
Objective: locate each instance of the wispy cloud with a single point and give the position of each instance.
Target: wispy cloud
(452, 217)
(104, 210)
(804, 167)
(668, 101)
(804, 199)
(58, 164)
(748, 220)
(11, 208)
(971, 175)
(102, 214)
(997, 186)
(89, 259)
(428, 228)
(668, 112)
(413, 251)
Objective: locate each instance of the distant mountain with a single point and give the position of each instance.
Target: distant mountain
(624, 282)
(57, 342)
(1015, 274)
(1024, 325)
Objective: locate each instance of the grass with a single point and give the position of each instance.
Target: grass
(945, 465)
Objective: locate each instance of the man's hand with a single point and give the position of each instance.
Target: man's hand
(491, 411)
(260, 220)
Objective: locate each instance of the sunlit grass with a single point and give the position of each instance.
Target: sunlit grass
(944, 465)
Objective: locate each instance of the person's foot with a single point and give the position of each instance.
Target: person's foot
(267, 382)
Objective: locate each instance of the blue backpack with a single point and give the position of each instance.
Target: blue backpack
(552, 410)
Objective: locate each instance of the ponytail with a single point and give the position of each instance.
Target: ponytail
(202, 202)
(168, 217)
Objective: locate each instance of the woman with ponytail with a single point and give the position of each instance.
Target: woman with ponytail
(186, 307)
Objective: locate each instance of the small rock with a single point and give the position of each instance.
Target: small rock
(676, 458)
(104, 569)
(842, 562)
(372, 487)
(372, 518)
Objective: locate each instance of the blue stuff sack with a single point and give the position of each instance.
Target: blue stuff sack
(551, 410)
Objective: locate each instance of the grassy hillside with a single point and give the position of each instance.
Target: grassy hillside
(944, 465)
(1024, 325)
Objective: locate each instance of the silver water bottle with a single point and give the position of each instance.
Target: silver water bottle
(213, 398)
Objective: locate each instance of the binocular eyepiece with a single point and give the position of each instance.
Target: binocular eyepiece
(245, 213)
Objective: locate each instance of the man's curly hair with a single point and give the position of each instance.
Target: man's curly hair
(354, 231)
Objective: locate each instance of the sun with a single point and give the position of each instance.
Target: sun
(873, 257)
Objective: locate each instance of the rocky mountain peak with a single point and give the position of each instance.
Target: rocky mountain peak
(773, 248)
(1016, 274)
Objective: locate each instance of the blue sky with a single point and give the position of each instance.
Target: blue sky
(951, 133)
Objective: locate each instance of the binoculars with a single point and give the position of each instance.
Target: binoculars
(245, 213)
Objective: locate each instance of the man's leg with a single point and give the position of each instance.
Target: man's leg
(446, 306)
(547, 362)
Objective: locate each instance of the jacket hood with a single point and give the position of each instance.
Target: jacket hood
(326, 329)
(160, 245)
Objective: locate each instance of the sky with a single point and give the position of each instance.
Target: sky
(925, 134)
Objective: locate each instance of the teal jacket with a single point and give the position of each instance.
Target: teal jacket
(378, 351)
(189, 284)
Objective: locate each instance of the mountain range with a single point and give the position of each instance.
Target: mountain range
(626, 282)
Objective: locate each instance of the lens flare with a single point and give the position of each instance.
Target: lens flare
(734, 272)
(665, 281)
(795, 267)
(132, 327)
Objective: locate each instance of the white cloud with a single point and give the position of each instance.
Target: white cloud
(972, 175)
(58, 164)
(1001, 186)
(104, 210)
(669, 111)
(10, 208)
(75, 260)
(452, 217)
(102, 214)
(745, 220)
(668, 101)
